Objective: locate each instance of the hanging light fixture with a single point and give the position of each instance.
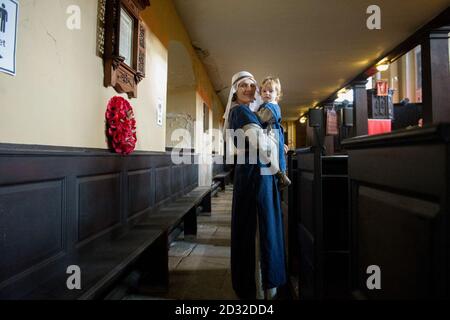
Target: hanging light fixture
(303, 119)
(341, 93)
(383, 66)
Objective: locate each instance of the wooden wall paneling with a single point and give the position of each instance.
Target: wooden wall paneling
(100, 202)
(139, 186)
(323, 225)
(403, 228)
(162, 184)
(399, 201)
(33, 231)
(293, 203)
(54, 200)
(178, 179)
(436, 76)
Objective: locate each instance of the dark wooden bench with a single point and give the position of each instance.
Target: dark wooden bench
(166, 219)
(183, 209)
(215, 186)
(143, 249)
(102, 263)
(223, 178)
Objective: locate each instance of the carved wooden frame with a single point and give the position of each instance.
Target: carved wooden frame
(124, 78)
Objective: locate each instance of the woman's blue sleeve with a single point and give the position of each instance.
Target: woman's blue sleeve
(242, 116)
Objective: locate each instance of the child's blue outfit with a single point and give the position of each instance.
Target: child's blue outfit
(272, 121)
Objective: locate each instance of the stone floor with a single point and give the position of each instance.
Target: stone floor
(200, 268)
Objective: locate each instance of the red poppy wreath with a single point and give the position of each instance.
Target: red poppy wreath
(120, 126)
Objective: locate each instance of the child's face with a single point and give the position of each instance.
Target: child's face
(269, 94)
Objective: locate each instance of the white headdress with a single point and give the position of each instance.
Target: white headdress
(235, 81)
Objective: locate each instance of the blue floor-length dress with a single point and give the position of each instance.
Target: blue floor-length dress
(255, 195)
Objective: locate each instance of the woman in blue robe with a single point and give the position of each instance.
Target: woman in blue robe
(269, 116)
(256, 202)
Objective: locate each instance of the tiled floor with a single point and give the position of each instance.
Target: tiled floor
(200, 268)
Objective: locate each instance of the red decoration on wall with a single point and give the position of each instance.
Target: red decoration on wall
(332, 123)
(382, 88)
(120, 126)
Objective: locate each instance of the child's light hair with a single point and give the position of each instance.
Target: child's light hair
(274, 83)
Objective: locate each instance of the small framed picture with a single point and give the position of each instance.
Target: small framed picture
(382, 88)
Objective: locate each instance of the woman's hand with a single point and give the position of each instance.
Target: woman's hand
(286, 148)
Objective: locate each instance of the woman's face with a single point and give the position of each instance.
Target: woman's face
(246, 91)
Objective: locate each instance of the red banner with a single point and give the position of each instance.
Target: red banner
(382, 88)
(379, 126)
(332, 123)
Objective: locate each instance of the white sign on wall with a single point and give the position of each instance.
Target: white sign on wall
(159, 113)
(9, 10)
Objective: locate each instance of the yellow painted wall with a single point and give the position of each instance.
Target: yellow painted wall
(164, 21)
(218, 123)
(58, 97)
(180, 101)
(202, 145)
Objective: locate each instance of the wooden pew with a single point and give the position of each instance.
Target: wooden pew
(400, 212)
(143, 249)
(64, 207)
(223, 178)
(318, 234)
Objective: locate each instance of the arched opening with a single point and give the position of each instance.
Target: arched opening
(186, 110)
(181, 97)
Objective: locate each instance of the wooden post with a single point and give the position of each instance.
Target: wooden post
(293, 196)
(360, 115)
(153, 266)
(310, 139)
(436, 76)
(190, 223)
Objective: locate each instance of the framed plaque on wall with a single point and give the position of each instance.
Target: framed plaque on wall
(124, 45)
